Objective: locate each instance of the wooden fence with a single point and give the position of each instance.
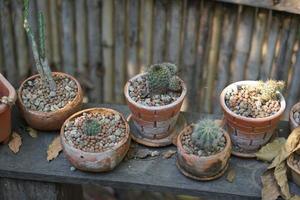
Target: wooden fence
(105, 42)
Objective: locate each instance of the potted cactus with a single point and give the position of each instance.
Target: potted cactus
(47, 99)
(294, 117)
(252, 110)
(95, 139)
(155, 99)
(203, 150)
(8, 97)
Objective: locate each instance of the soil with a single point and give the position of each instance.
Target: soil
(139, 93)
(190, 148)
(245, 102)
(111, 133)
(297, 117)
(35, 95)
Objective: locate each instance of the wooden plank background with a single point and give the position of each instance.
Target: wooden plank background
(103, 43)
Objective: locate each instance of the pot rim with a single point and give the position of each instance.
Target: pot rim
(289, 163)
(249, 82)
(153, 108)
(99, 110)
(79, 95)
(294, 108)
(11, 92)
(204, 158)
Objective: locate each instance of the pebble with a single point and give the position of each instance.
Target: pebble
(297, 117)
(72, 169)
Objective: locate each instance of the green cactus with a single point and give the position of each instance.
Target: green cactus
(206, 135)
(91, 127)
(162, 77)
(268, 89)
(39, 52)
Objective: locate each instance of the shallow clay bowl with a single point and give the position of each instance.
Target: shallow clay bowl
(294, 171)
(292, 122)
(96, 161)
(205, 167)
(49, 121)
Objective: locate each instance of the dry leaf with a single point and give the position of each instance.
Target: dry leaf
(295, 197)
(282, 181)
(230, 175)
(270, 190)
(292, 143)
(168, 154)
(15, 142)
(271, 150)
(54, 149)
(32, 132)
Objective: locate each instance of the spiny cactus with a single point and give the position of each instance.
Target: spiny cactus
(268, 89)
(39, 52)
(91, 127)
(206, 135)
(162, 77)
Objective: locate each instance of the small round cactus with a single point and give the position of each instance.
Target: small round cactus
(206, 135)
(162, 77)
(269, 89)
(91, 127)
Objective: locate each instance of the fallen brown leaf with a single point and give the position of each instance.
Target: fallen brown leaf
(282, 181)
(168, 154)
(295, 197)
(270, 190)
(32, 132)
(271, 150)
(230, 175)
(54, 149)
(15, 142)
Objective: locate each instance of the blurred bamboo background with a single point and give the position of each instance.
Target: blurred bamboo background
(105, 42)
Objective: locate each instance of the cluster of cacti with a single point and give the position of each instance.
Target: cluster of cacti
(206, 135)
(91, 127)
(39, 53)
(269, 89)
(162, 77)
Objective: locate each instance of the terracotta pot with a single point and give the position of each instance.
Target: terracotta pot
(294, 171)
(48, 121)
(96, 162)
(292, 122)
(6, 89)
(204, 167)
(249, 134)
(154, 122)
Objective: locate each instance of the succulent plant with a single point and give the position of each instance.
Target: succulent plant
(91, 127)
(39, 53)
(162, 77)
(206, 135)
(269, 89)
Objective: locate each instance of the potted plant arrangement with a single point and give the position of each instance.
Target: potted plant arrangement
(95, 139)
(294, 164)
(155, 99)
(294, 118)
(252, 110)
(203, 150)
(8, 97)
(47, 99)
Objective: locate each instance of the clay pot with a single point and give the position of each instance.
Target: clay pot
(249, 134)
(6, 89)
(202, 167)
(294, 171)
(154, 122)
(96, 162)
(292, 122)
(48, 121)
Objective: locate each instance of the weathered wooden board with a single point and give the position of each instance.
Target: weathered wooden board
(153, 174)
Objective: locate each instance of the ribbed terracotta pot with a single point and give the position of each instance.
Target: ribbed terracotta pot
(294, 171)
(48, 121)
(154, 122)
(202, 167)
(6, 89)
(249, 134)
(292, 122)
(100, 161)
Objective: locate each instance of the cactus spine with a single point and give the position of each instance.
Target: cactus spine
(39, 52)
(91, 127)
(206, 135)
(162, 77)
